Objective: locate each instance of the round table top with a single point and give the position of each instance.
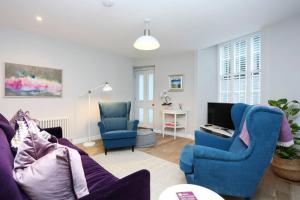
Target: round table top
(201, 193)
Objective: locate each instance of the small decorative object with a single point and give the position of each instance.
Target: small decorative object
(31, 81)
(186, 196)
(166, 98)
(286, 161)
(180, 106)
(176, 83)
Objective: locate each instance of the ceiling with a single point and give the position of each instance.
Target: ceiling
(179, 25)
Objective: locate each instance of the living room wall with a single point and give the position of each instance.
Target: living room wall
(83, 68)
(176, 64)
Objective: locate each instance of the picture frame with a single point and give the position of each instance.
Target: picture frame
(32, 81)
(176, 83)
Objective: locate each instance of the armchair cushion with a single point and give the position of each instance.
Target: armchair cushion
(208, 153)
(115, 123)
(210, 140)
(118, 134)
(132, 125)
(186, 159)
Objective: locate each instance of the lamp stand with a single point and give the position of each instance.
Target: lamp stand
(89, 143)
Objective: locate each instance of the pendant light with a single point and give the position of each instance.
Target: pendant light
(146, 42)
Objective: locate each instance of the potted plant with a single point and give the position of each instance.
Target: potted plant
(286, 161)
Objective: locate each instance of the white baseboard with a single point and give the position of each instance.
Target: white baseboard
(85, 139)
(97, 137)
(189, 135)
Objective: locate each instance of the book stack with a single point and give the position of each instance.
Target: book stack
(172, 124)
(186, 196)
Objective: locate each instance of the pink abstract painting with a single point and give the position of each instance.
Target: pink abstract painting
(25, 80)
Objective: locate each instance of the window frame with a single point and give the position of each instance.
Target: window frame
(249, 66)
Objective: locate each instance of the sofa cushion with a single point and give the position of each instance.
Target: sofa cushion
(96, 176)
(66, 142)
(38, 160)
(119, 134)
(8, 130)
(9, 188)
(186, 159)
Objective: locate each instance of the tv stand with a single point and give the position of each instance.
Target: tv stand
(217, 130)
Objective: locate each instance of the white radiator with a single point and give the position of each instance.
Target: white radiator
(62, 122)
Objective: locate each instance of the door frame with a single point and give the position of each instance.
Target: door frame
(134, 70)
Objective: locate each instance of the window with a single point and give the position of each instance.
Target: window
(240, 70)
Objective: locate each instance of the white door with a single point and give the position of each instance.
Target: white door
(144, 95)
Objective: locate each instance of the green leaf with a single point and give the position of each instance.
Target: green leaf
(294, 111)
(297, 141)
(295, 101)
(282, 101)
(273, 103)
(286, 152)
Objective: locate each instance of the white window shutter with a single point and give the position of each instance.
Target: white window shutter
(235, 72)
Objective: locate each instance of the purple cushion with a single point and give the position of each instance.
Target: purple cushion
(66, 142)
(38, 160)
(8, 130)
(96, 176)
(3, 119)
(9, 188)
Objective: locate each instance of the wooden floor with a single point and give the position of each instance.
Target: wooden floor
(270, 188)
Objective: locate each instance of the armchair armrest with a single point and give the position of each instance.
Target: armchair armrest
(55, 131)
(204, 152)
(101, 127)
(136, 186)
(132, 125)
(210, 140)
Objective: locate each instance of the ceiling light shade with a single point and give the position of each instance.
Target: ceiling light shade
(146, 42)
(107, 87)
(108, 3)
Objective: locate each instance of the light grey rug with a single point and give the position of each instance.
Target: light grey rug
(122, 163)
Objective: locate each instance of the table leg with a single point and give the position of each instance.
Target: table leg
(163, 125)
(175, 121)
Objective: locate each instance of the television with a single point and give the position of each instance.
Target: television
(219, 114)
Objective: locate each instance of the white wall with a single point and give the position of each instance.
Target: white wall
(281, 59)
(83, 68)
(165, 66)
(206, 81)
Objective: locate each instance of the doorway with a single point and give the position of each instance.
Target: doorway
(144, 96)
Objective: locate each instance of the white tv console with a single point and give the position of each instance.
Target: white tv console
(218, 130)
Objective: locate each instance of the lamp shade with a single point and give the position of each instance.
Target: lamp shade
(107, 87)
(146, 42)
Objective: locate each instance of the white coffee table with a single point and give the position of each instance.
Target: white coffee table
(201, 193)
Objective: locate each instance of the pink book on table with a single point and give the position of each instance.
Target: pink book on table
(186, 196)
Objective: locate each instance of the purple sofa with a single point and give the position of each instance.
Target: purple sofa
(102, 184)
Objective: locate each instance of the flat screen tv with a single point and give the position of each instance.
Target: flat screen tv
(220, 114)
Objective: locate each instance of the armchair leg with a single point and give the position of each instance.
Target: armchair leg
(105, 151)
(132, 148)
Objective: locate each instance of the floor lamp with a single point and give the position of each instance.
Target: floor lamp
(105, 88)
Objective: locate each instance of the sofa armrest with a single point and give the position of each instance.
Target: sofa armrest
(136, 186)
(133, 125)
(210, 140)
(101, 127)
(55, 131)
(204, 152)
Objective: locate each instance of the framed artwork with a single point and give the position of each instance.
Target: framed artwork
(176, 83)
(32, 81)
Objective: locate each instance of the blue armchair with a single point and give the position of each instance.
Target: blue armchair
(115, 128)
(226, 165)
